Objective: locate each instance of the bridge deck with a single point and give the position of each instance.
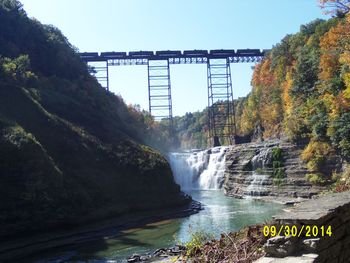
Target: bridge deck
(174, 56)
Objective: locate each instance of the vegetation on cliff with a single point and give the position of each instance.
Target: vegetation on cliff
(70, 152)
(301, 90)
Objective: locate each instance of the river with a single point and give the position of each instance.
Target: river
(199, 174)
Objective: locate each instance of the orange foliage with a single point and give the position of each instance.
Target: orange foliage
(335, 48)
(330, 45)
(272, 103)
(267, 108)
(262, 74)
(329, 64)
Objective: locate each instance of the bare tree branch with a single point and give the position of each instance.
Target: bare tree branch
(338, 6)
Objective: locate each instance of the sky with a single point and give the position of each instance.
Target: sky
(133, 25)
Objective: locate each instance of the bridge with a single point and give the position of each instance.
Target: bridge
(221, 113)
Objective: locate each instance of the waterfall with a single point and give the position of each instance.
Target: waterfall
(261, 159)
(257, 181)
(256, 186)
(199, 169)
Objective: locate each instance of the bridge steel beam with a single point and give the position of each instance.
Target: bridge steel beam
(159, 90)
(179, 60)
(221, 115)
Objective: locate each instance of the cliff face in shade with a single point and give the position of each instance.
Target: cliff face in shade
(69, 151)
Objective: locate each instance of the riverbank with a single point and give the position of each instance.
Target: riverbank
(329, 212)
(219, 214)
(241, 246)
(27, 247)
(238, 215)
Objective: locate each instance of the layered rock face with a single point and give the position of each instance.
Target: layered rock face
(264, 169)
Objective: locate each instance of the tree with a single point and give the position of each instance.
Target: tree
(306, 71)
(338, 7)
(10, 5)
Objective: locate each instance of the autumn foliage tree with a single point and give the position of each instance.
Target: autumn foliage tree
(302, 90)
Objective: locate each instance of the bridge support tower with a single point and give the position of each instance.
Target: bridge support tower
(221, 115)
(99, 69)
(159, 90)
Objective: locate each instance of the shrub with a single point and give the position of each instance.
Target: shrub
(198, 239)
(342, 180)
(259, 170)
(277, 154)
(316, 178)
(316, 155)
(277, 165)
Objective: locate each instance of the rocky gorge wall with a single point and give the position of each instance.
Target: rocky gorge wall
(267, 169)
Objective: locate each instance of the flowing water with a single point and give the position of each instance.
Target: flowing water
(202, 170)
(256, 185)
(199, 174)
(258, 180)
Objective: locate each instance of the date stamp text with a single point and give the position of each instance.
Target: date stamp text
(297, 231)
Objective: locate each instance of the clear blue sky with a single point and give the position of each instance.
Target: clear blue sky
(128, 25)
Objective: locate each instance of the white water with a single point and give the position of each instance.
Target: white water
(261, 159)
(257, 180)
(199, 169)
(256, 186)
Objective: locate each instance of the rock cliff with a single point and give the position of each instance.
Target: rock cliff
(267, 169)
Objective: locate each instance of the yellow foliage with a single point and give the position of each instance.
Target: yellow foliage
(345, 57)
(316, 154)
(310, 41)
(313, 148)
(279, 72)
(316, 178)
(286, 86)
(248, 120)
(347, 92)
(271, 118)
(330, 103)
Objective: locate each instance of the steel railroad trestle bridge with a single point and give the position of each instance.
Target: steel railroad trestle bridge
(221, 115)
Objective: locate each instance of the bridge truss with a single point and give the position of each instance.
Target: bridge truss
(221, 115)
